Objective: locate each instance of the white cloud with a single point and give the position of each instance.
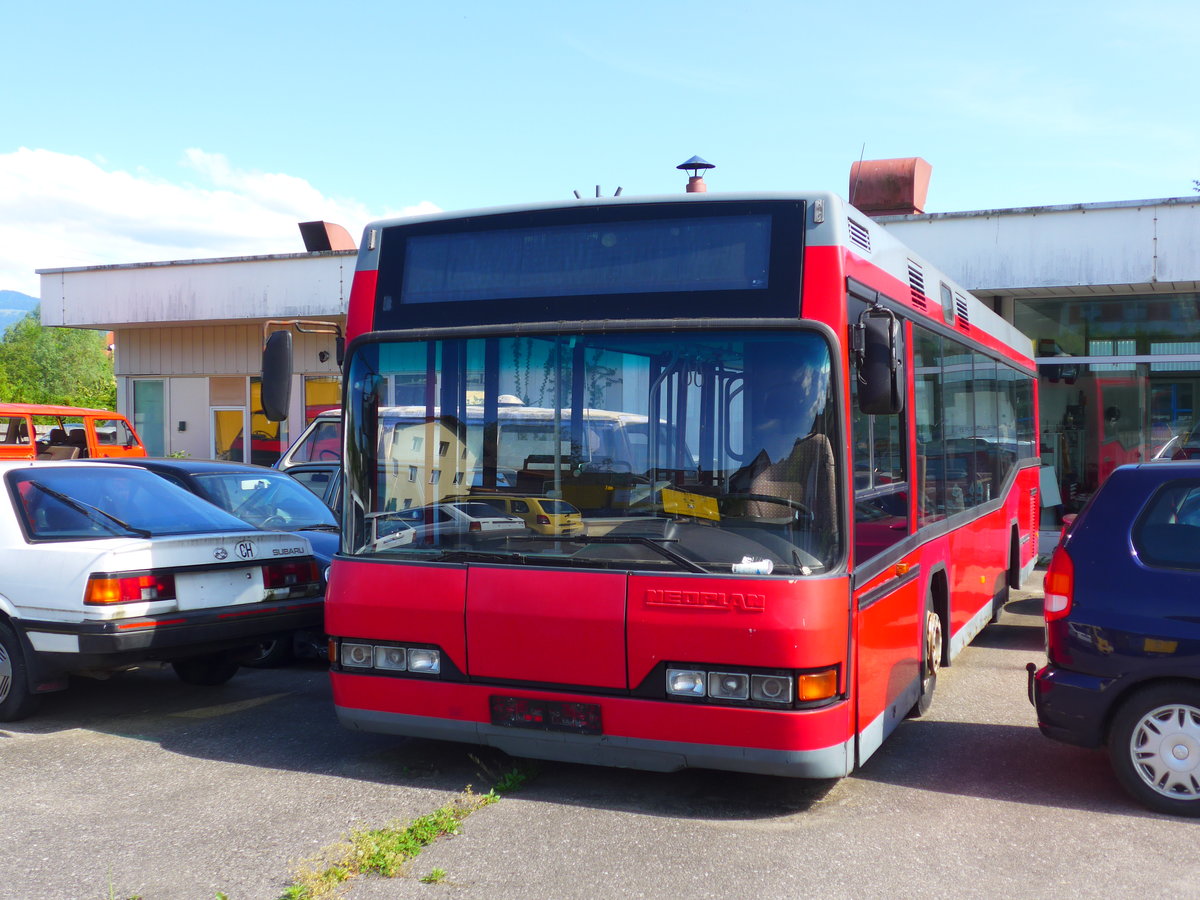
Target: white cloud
(59, 211)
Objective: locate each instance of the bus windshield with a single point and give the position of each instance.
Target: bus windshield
(697, 451)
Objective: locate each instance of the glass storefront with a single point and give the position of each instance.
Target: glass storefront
(1119, 380)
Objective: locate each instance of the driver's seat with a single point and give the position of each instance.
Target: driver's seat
(805, 475)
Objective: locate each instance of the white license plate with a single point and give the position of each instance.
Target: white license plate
(219, 587)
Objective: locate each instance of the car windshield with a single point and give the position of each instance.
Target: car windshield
(266, 500)
(705, 451)
(80, 502)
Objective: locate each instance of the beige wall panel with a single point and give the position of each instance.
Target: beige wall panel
(189, 403)
(227, 391)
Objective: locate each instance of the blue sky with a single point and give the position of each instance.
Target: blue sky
(135, 131)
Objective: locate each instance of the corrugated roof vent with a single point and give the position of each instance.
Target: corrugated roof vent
(890, 187)
(961, 310)
(860, 235)
(916, 284)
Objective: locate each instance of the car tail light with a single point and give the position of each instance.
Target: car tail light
(291, 578)
(475, 526)
(543, 520)
(1059, 586)
(148, 587)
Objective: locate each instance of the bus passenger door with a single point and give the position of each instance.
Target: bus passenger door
(887, 653)
(887, 599)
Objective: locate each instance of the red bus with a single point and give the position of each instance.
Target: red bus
(826, 484)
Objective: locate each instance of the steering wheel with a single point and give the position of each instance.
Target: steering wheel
(273, 522)
(801, 511)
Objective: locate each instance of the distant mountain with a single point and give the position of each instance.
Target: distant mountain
(14, 306)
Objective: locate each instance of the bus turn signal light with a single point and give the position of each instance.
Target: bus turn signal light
(816, 685)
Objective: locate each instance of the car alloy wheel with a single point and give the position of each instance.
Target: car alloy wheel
(1155, 748)
(6, 674)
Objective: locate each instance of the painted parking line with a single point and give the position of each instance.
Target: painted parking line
(225, 709)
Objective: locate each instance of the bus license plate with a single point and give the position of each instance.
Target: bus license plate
(546, 715)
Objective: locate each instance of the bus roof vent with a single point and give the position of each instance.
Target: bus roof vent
(916, 284)
(961, 309)
(860, 235)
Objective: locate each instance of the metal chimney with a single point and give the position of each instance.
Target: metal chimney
(696, 165)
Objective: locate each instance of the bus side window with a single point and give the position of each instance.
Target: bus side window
(881, 517)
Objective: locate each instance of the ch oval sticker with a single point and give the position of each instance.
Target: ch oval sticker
(245, 549)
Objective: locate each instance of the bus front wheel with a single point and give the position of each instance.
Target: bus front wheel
(931, 658)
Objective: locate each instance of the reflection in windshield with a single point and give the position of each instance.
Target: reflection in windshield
(681, 450)
(266, 500)
(77, 501)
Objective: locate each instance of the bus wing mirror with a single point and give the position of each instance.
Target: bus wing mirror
(277, 376)
(879, 351)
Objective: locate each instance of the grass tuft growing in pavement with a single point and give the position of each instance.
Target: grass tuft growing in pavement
(385, 851)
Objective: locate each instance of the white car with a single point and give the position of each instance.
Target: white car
(456, 522)
(103, 567)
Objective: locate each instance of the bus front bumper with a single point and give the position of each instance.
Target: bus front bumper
(440, 711)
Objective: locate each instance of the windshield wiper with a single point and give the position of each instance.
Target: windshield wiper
(320, 526)
(464, 555)
(87, 509)
(656, 544)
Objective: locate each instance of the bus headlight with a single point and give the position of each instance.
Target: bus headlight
(771, 688)
(392, 659)
(685, 682)
(358, 656)
(427, 661)
(729, 685)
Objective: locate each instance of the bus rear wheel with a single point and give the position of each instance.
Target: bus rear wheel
(931, 659)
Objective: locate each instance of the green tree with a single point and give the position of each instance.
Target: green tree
(67, 366)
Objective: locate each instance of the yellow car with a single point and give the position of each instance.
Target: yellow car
(541, 514)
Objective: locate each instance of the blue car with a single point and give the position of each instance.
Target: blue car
(1122, 611)
(269, 500)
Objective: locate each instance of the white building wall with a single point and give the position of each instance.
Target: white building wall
(1136, 247)
(302, 285)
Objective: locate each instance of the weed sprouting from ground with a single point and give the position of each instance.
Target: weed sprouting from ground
(385, 851)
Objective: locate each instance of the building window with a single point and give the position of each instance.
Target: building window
(321, 393)
(1119, 379)
(268, 439)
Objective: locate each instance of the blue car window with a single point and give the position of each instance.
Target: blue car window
(1167, 534)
